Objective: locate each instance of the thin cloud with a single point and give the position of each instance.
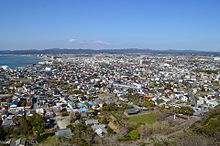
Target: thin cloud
(89, 42)
(73, 40)
(101, 42)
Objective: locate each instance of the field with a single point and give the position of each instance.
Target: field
(148, 118)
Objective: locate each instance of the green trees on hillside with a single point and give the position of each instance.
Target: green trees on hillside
(184, 110)
(209, 125)
(28, 126)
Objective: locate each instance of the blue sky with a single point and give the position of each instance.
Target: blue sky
(98, 24)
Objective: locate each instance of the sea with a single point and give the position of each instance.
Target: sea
(18, 61)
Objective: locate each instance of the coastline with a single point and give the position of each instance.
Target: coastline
(14, 61)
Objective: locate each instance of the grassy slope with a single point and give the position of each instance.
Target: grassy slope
(148, 118)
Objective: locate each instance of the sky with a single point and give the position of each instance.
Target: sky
(110, 24)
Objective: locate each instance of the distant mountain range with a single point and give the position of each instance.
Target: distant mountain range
(109, 51)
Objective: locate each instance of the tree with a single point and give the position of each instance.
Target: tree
(2, 134)
(37, 123)
(203, 89)
(184, 110)
(110, 107)
(22, 103)
(77, 92)
(25, 126)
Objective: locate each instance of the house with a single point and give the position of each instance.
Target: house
(40, 111)
(20, 113)
(50, 123)
(10, 121)
(91, 121)
(100, 129)
(18, 142)
(84, 109)
(50, 114)
(14, 104)
(30, 113)
(90, 103)
(131, 111)
(4, 105)
(90, 113)
(84, 115)
(67, 133)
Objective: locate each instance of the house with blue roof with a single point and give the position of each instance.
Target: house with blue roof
(14, 104)
(84, 109)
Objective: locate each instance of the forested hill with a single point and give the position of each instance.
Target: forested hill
(109, 51)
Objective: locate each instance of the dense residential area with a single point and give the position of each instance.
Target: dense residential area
(111, 99)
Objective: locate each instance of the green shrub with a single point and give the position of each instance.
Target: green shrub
(134, 135)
